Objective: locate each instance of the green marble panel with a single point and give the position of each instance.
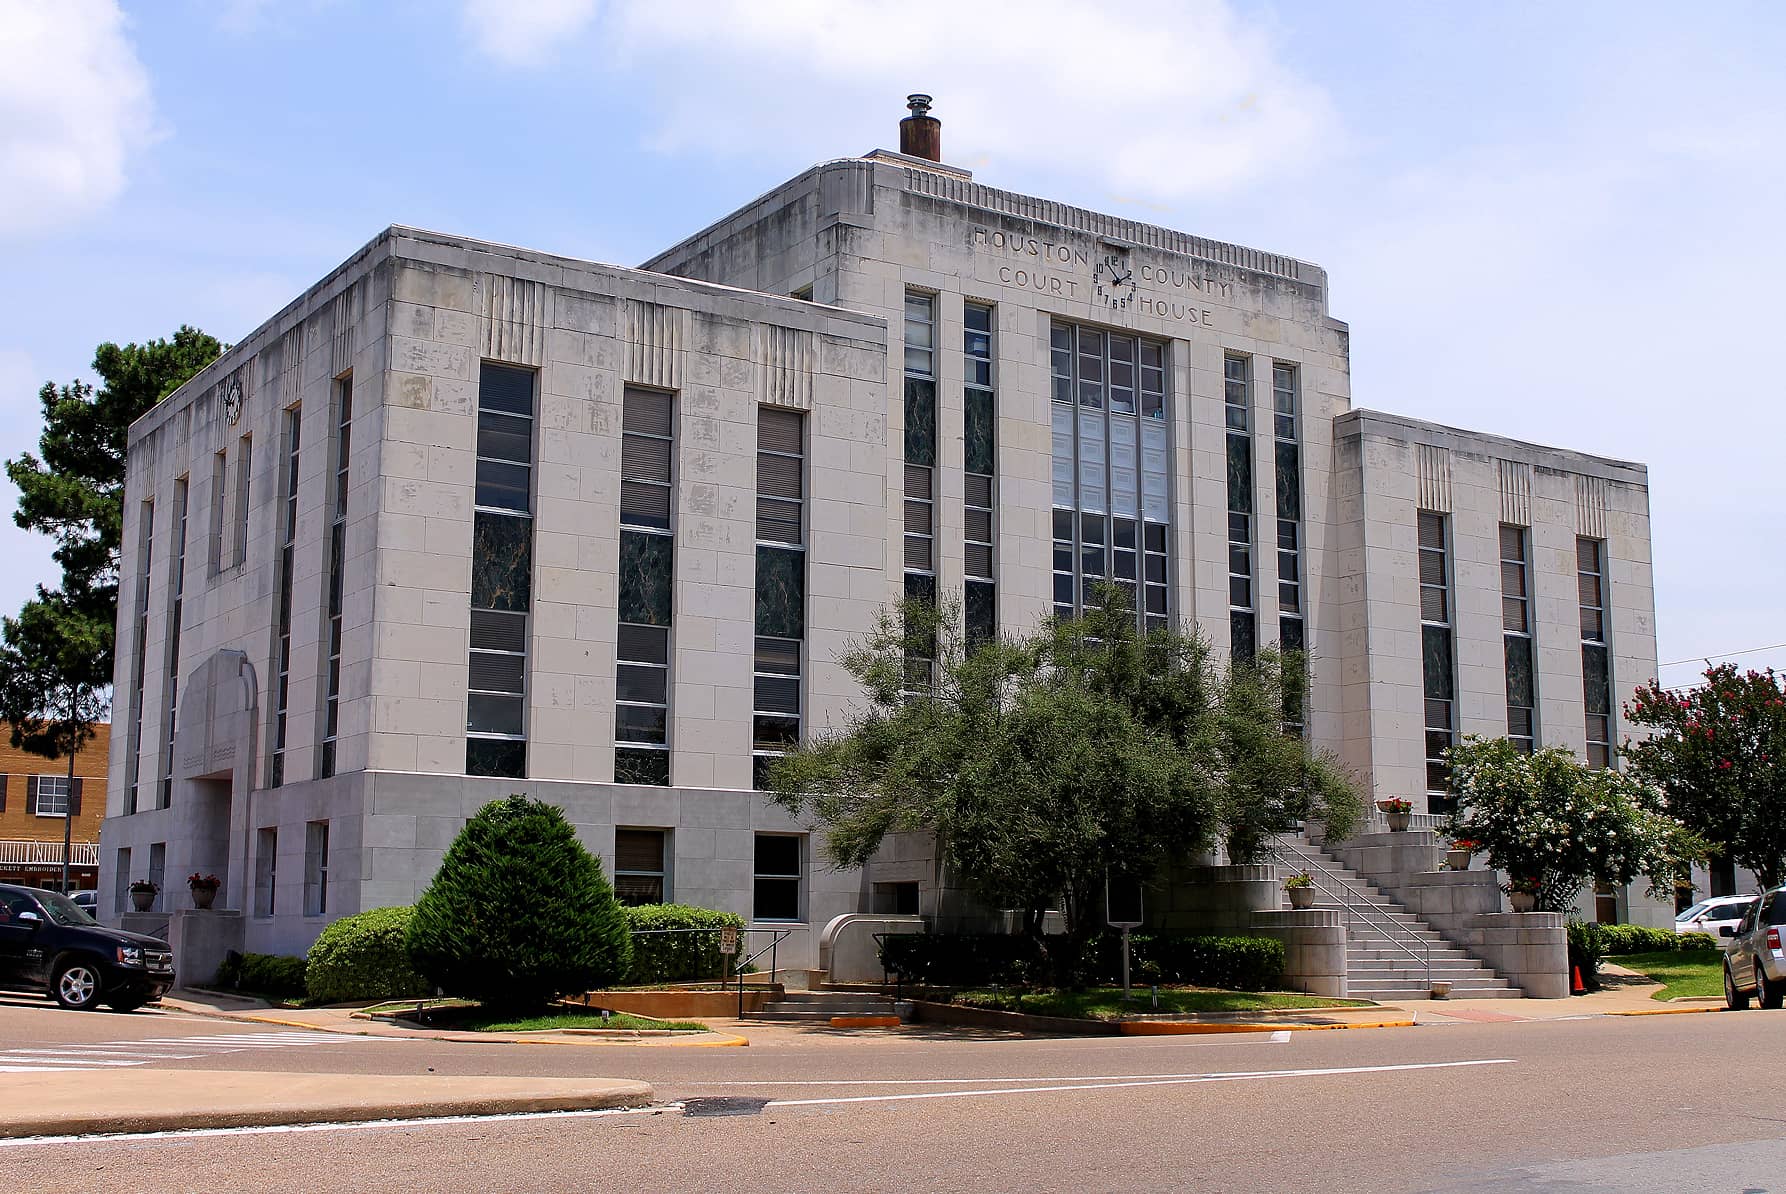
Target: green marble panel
(647, 577)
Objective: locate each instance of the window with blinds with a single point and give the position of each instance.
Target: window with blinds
(647, 577)
(920, 472)
(979, 417)
(640, 873)
(1596, 662)
(337, 565)
(1287, 459)
(1437, 670)
(1516, 637)
(145, 552)
(501, 574)
(175, 615)
(1243, 621)
(288, 534)
(780, 588)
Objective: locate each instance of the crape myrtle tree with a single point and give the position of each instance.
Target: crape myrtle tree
(1046, 763)
(1718, 753)
(56, 654)
(1553, 823)
(519, 913)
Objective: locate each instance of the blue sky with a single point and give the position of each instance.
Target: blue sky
(1561, 223)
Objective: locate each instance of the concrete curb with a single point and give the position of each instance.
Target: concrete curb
(1204, 1028)
(549, 1037)
(1667, 1011)
(61, 1104)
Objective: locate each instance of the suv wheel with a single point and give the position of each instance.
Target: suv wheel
(77, 986)
(1771, 995)
(1734, 999)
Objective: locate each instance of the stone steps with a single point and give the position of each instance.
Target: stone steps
(821, 1006)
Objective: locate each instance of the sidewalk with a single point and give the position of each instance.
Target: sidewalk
(1624, 993)
(64, 1104)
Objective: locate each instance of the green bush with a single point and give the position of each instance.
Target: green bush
(363, 957)
(1636, 939)
(986, 959)
(518, 913)
(676, 957)
(272, 975)
(1587, 945)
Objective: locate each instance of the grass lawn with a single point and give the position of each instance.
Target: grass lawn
(494, 1023)
(1686, 974)
(1105, 1003)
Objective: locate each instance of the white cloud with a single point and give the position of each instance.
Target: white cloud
(74, 110)
(1154, 99)
(519, 32)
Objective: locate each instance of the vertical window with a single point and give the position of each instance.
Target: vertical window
(316, 868)
(1110, 470)
(639, 866)
(175, 609)
(501, 575)
(244, 469)
(331, 710)
(48, 795)
(1596, 665)
(780, 587)
(920, 474)
(777, 877)
(266, 858)
(121, 881)
(979, 416)
(288, 537)
(219, 486)
(1287, 458)
(647, 574)
(1516, 636)
(1437, 673)
(145, 549)
(1243, 622)
(158, 872)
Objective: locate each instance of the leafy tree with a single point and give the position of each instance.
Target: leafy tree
(1550, 820)
(1047, 763)
(519, 912)
(56, 655)
(1718, 753)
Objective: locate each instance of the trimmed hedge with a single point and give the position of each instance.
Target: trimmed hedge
(985, 959)
(666, 957)
(363, 957)
(1587, 945)
(1636, 939)
(263, 974)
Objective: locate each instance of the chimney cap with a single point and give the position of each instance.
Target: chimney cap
(919, 103)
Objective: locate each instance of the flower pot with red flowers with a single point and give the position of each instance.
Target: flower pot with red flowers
(1301, 890)
(142, 894)
(1458, 857)
(1398, 812)
(1524, 894)
(203, 888)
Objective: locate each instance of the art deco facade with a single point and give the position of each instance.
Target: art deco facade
(465, 520)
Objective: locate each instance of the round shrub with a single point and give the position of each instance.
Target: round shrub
(519, 913)
(364, 957)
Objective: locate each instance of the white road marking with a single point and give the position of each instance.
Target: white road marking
(115, 1054)
(1280, 1038)
(423, 1121)
(1184, 1081)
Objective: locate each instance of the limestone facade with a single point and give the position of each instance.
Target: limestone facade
(797, 301)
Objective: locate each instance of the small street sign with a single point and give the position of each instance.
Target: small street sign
(728, 940)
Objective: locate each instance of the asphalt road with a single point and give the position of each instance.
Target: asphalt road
(1662, 1103)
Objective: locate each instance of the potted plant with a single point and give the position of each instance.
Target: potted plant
(203, 888)
(1301, 890)
(142, 894)
(1398, 812)
(1458, 857)
(1524, 894)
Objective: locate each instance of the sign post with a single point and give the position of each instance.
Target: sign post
(1122, 910)
(728, 948)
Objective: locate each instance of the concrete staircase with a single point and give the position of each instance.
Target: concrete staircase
(818, 1007)
(1388, 948)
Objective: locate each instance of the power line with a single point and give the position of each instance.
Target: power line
(1726, 655)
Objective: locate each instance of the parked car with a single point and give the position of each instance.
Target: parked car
(86, 901)
(1754, 956)
(1710, 916)
(50, 946)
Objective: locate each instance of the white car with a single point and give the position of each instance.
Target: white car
(1709, 916)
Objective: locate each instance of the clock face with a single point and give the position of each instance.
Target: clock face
(1113, 280)
(232, 401)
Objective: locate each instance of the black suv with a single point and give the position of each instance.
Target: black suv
(49, 945)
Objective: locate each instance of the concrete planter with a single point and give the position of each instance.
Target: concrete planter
(1459, 860)
(1301, 897)
(142, 901)
(1398, 822)
(202, 897)
(1523, 901)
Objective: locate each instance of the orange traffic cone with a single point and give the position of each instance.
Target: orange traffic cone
(1576, 986)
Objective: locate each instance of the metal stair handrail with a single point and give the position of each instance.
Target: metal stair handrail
(1310, 866)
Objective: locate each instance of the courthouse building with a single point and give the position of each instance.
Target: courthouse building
(465, 519)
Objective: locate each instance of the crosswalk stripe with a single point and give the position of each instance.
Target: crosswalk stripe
(115, 1054)
(59, 1061)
